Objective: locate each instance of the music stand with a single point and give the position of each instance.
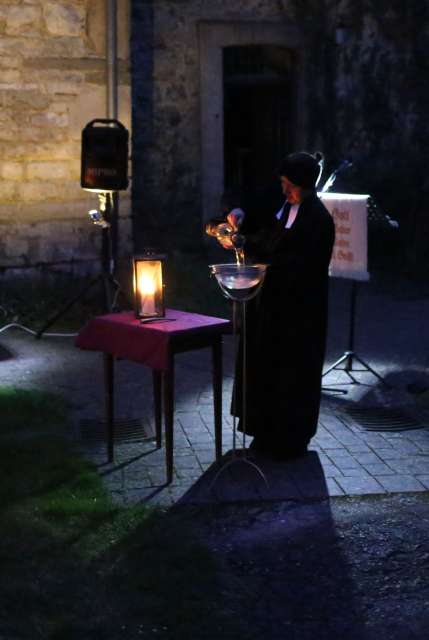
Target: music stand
(349, 260)
(350, 355)
(104, 218)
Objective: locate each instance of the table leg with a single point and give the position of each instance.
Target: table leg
(217, 394)
(109, 402)
(157, 399)
(168, 390)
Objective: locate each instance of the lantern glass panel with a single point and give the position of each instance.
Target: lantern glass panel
(148, 288)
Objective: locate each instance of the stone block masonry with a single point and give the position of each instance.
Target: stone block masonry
(52, 82)
(358, 92)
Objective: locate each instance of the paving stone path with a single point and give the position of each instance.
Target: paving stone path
(346, 459)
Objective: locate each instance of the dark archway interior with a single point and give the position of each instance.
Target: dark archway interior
(258, 114)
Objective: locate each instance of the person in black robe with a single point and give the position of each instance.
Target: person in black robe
(287, 322)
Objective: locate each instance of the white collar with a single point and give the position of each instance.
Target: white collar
(293, 212)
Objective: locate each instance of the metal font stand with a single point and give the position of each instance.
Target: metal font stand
(239, 304)
(350, 355)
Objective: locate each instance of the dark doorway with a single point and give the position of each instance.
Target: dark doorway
(258, 113)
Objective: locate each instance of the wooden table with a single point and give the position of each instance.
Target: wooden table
(155, 344)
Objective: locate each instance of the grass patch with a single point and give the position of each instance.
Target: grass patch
(74, 564)
(22, 409)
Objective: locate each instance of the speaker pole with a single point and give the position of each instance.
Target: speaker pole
(112, 111)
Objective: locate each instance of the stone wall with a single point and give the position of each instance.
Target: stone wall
(371, 100)
(52, 82)
(167, 169)
(369, 66)
(364, 70)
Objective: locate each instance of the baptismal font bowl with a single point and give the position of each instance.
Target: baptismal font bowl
(239, 282)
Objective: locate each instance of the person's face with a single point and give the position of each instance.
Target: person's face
(291, 191)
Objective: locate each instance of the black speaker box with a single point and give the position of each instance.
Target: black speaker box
(104, 160)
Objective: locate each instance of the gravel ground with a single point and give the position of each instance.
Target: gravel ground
(350, 568)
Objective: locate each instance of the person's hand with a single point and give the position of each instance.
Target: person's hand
(224, 233)
(235, 218)
(225, 242)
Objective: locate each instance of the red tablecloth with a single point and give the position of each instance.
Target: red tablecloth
(124, 336)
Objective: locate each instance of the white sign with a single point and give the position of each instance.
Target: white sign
(350, 254)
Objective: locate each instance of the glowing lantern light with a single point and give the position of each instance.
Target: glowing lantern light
(148, 287)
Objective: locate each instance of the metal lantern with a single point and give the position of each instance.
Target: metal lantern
(148, 286)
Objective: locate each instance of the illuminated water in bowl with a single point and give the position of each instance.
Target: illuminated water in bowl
(239, 281)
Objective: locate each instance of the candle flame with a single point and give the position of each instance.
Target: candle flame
(146, 285)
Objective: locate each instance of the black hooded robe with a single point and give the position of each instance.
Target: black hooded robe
(286, 328)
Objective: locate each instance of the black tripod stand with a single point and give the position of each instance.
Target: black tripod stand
(106, 218)
(350, 355)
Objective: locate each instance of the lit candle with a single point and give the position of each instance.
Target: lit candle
(146, 288)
